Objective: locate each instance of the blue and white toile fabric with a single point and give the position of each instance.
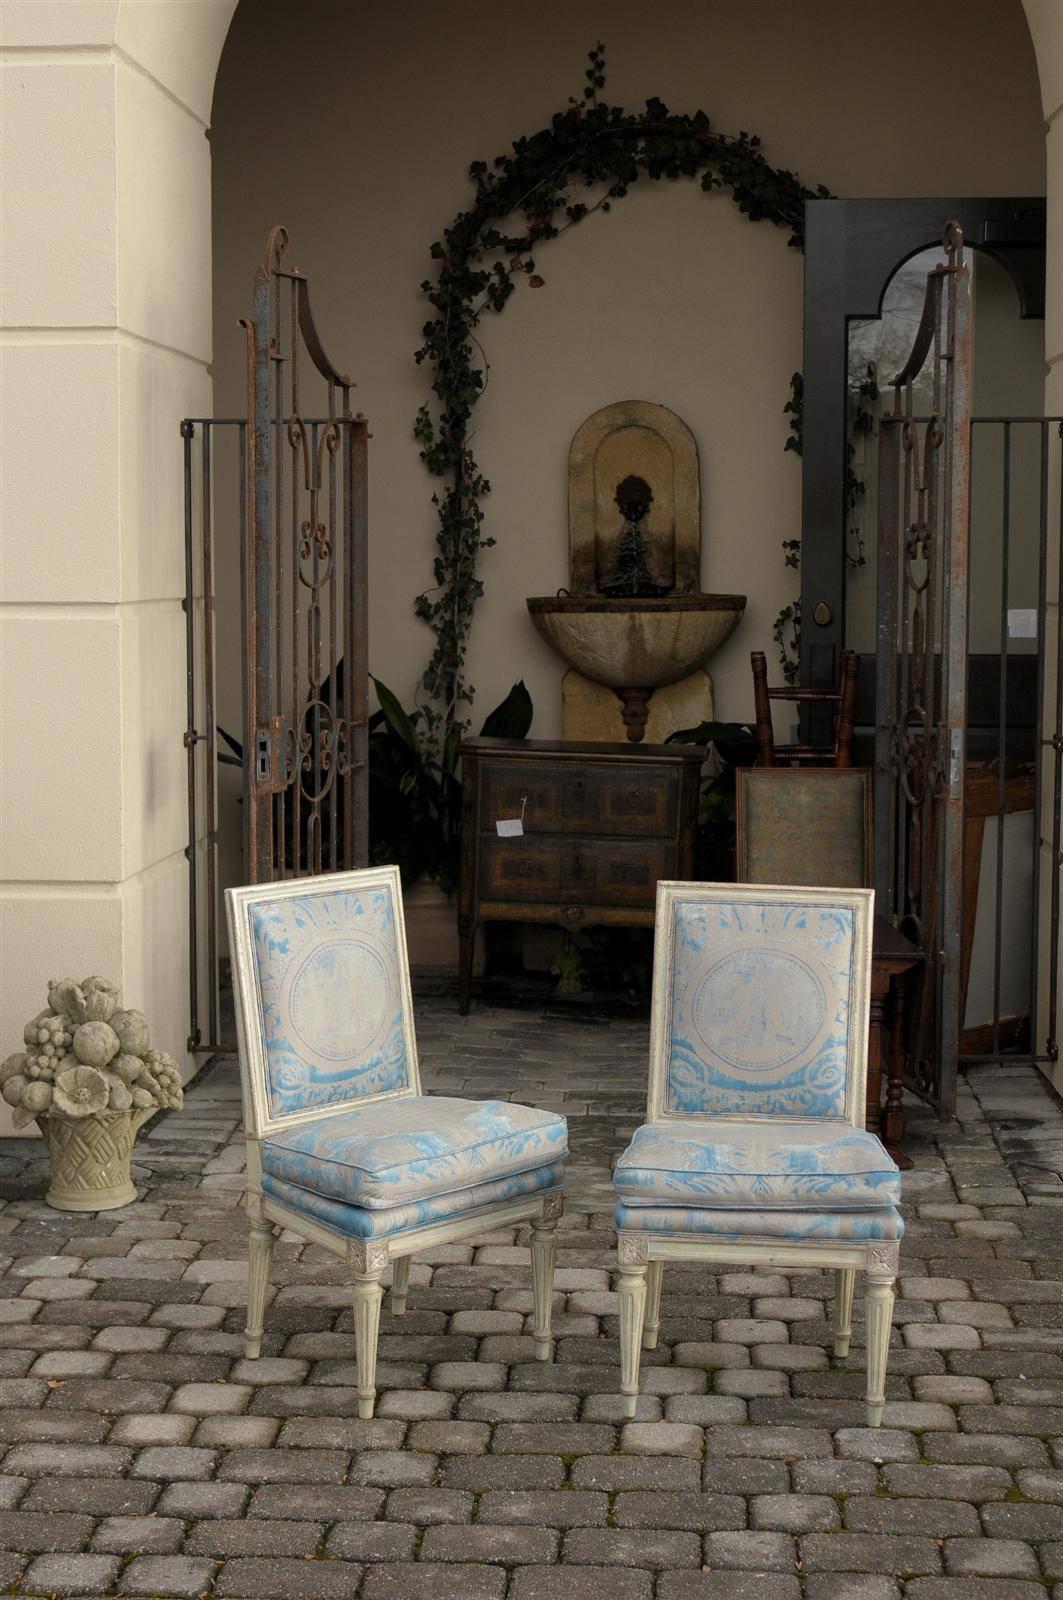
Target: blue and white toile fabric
(829, 1166)
(762, 1021)
(359, 1223)
(327, 968)
(737, 1226)
(394, 1152)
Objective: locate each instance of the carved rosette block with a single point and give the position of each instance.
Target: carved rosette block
(90, 1160)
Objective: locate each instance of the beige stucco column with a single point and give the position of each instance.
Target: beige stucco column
(1045, 18)
(105, 304)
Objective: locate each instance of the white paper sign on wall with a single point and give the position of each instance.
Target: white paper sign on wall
(1022, 624)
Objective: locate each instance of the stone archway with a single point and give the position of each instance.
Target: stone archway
(107, 306)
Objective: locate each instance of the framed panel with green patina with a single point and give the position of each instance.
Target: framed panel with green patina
(804, 826)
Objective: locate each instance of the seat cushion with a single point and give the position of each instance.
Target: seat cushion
(822, 1166)
(360, 1223)
(385, 1154)
(736, 1226)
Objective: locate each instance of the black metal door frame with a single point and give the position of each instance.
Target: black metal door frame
(852, 249)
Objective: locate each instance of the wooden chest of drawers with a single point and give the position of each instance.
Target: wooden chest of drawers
(600, 824)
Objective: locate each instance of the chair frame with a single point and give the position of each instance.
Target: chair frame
(366, 1259)
(839, 753)
(641, 1255)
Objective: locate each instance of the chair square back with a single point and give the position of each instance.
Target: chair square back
(760, 1002)
(323, 1009)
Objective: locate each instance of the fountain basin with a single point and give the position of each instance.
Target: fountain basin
(645, 643)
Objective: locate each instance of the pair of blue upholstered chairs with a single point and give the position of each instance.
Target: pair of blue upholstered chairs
(752, 1151)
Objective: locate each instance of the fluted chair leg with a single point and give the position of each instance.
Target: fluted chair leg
(632, 1295)
(654, 1275)
(844, 1284)
(368, 1293)
(400, 1283)
(879, 1322)
(543, 1253)
(259, 1261)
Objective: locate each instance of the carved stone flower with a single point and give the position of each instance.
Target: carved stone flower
(80, 1092)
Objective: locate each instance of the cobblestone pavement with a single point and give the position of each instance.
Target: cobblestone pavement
(144, 1456)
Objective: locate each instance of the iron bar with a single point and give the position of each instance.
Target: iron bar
(187, 433)
(1002, 726)
(210, 721)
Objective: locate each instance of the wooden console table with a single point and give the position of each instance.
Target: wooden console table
(599, 825)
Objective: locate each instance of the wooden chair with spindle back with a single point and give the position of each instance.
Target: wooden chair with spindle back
(839, 753)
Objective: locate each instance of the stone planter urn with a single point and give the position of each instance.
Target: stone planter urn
(89, 1078)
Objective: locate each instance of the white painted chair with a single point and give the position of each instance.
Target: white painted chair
(753, 1150)
(342, 1147)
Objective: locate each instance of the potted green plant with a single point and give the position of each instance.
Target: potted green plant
(90, 1079)
(415, 814)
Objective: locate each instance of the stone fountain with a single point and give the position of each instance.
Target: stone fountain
(635, 630)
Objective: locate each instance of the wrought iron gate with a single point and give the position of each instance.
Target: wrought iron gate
(924, 485)
(300, 515)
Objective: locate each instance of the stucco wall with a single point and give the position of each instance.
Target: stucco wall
(355, 126)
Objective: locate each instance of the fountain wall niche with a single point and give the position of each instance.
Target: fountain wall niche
(635, 630)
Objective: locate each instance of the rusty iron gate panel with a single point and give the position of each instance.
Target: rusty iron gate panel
(924, 487)
(297, 471)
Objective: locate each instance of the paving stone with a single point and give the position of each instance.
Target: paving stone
(233, 1433)
(559, 1439)
(257, 1578)
(429, 1581)
(134, 1535)
(990, 1558)
(616, 1472)
(631, 1547)
(70, 1574)
(39, 1531)
(834, 1477)
(527, 1546)
(247, 1537)
(1019, 1520)
(869, 1552)
(793, 1513)
(850, 1586)
(727, 1586)
(975, 1484)
(939, 1519)
(203, 1499)
(574, 1508)
(341, 1433)
(589, 1583)
(985, 1449)
(283, 1466)
(780, 1443)
(74, 1460)
(43, 1426)
(170, 1462)
(451, 1438)
(393, 1469)
(92, 1496)
(374, 1541)
(698, 1513)
(750, 1550)
(749, 1476)
(317, 1502)
(877, 1444)
(152, 1430)
(662, 1439)
(505, 1472)
(973, 1589)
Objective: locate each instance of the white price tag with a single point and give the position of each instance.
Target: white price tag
(512, 827)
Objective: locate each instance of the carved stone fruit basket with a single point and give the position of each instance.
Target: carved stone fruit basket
(90, 1079)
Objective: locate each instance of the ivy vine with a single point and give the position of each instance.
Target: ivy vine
(590, 155)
